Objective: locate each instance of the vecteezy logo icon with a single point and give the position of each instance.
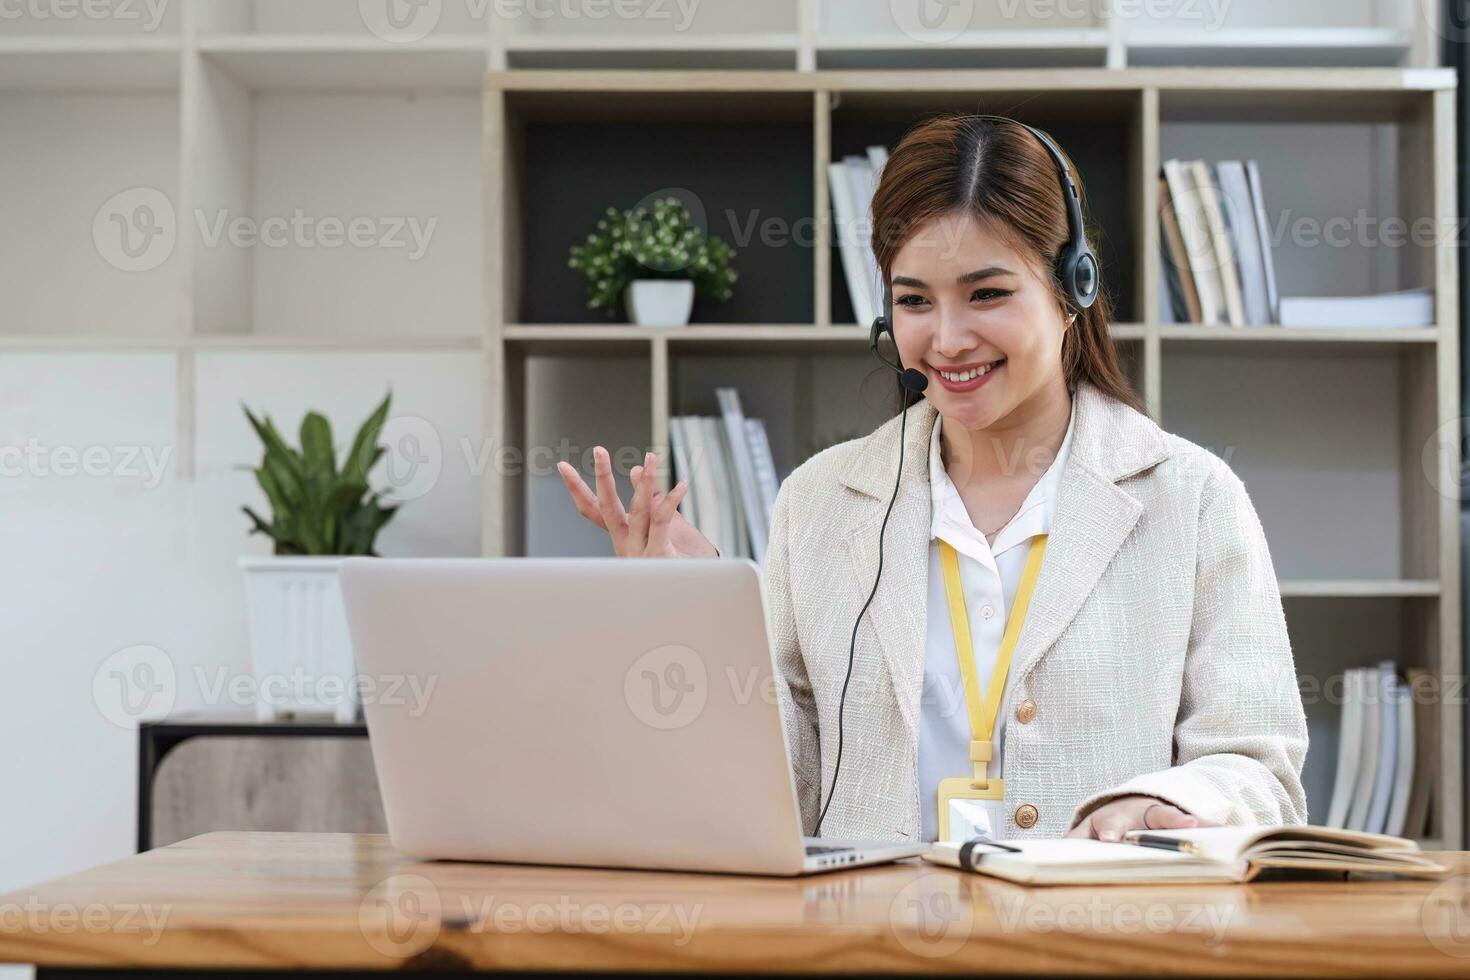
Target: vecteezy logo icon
(1445, 916)
(414, 457)
(928, 918)
(401, 915)
(137, 683)
(400, 21)
(667, 687)
(135, 230)
(932, 21)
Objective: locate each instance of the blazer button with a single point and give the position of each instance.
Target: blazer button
(1026, 816)
(1025, 711)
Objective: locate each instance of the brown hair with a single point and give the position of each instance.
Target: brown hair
(999, 171)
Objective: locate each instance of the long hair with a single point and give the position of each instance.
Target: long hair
(998, 171)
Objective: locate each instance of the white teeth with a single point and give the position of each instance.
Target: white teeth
(968, 375)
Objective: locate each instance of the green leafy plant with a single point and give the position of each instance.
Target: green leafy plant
(659, 242)
(316, 508)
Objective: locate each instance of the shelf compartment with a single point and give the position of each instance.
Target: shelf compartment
(1099, 130)
(277, 63)
(618, 385)
(1350, 204)
(1332, 634)
(397, 168)
(749, 181)
(93, 219)
(808, 399)
(1328, 441)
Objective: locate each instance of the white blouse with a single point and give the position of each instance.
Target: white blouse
(989, 575)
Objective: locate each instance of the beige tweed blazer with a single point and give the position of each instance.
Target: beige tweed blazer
(1155, 650)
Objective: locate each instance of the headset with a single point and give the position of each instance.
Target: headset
(1076, 271)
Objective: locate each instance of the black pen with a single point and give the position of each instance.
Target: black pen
(1162, 843)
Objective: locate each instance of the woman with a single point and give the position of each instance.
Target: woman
(1148, 684)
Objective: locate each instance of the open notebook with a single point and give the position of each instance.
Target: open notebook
(1193, 855)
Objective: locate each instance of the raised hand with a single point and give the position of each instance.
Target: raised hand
(652, 526)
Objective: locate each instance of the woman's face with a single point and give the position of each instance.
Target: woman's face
(965, 301)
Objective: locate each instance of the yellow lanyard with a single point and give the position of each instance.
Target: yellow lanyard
(982, 716)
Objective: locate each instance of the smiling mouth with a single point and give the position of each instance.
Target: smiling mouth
(969, 374)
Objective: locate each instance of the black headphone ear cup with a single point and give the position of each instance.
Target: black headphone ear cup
(1077, 274)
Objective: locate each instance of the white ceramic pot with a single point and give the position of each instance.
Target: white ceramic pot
(299, 646)
(659, 302)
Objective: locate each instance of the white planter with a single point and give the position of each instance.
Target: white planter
(659, 302)
(299, 647)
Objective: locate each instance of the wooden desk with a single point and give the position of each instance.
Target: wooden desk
(237, 901)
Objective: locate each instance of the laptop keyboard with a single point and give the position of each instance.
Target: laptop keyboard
(812, 849)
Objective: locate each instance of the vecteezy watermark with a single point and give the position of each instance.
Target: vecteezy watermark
(1444, 915)
(414, 458)
(137, 230)
(147, 14)
(932, 21)
(135, 684)
(400, 21)
(1099, 914)
(324, 691)
(1210, 15)
(145, 464)
(401, 915)
(931, 915)
(141, 683)
(486, 913)
(95, 918)
(301, 230)
(407, 21)
(667, 687)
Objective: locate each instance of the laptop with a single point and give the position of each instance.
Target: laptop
(602, 712)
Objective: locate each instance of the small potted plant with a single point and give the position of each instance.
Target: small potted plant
(653, 260)
(320, 513)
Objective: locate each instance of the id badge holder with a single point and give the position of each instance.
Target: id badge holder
(963, 807)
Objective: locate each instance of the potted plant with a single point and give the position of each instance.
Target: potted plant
(653, 260)
(320, 513)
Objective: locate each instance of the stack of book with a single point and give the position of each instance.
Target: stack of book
(732, 477)
(1387, 734)
(1215, 242)
(851, 183)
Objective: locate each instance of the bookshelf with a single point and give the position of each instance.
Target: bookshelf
(1357, 533)
(262, 107)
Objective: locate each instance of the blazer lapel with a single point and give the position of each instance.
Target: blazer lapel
(899, 610)
(1092, 517)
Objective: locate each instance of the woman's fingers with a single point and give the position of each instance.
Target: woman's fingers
(1110, 825)
(582, 496)
(608, 503)
(643, 489)
(663, 513)
(1162, 816)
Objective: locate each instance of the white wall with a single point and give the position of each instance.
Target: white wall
(94, 564)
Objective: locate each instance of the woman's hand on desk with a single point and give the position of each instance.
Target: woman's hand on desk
(652, 526)
(1109, 821)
